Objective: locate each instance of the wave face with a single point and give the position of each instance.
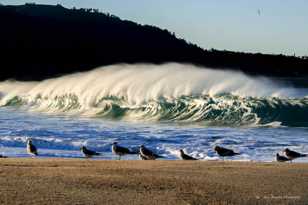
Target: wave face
(170, 92)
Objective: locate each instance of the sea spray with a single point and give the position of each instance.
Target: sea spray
(170, 92)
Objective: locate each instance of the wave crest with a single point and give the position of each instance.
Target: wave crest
(170, 92)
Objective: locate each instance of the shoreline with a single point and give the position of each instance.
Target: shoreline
(87, 181)
(112, 157)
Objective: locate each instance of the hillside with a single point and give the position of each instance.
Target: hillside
(43, 41)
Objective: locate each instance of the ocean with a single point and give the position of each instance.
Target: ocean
(165, 107)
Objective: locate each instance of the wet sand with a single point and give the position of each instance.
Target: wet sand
(81, 181)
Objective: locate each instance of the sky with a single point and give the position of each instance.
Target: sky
(266, 26)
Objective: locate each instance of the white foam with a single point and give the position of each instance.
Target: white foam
(140, 83)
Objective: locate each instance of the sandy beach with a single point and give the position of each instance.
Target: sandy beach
(81, 181)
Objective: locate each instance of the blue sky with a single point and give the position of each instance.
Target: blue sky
(236, 25)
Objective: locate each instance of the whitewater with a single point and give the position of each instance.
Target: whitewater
(165, 107)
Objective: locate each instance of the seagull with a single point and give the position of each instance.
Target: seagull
(142, 157)
(121, 151)
(224, 152)
(2, 156)
(31, 149)
(88, 153)
(185, 156)
(281, 158)
(148, 154)
(259, 12)
(293, 155)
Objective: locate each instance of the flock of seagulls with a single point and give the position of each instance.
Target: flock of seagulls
(147, 154)
(289, 155)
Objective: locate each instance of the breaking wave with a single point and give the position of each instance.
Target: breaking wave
(169, 92)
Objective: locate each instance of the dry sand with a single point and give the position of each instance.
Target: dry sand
(81, 181)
